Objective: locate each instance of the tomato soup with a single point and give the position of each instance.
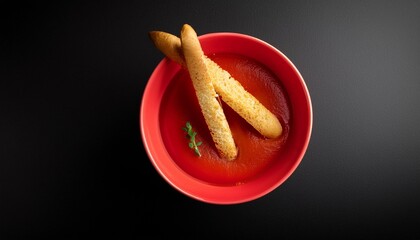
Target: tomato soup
(255, 152)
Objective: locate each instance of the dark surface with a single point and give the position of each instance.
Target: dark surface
(72, 163)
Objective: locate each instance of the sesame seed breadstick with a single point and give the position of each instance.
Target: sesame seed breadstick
(243, 103)
(230, 90)
(206, 95)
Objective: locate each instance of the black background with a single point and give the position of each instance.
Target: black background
(72, 163)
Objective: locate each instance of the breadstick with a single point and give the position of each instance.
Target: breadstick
(206, 95)
(230, 90)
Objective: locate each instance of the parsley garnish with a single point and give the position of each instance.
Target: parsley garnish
(191, 135)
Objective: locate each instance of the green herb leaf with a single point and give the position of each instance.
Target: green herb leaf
(191, 135)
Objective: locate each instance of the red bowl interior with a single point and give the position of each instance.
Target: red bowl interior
(294, 148)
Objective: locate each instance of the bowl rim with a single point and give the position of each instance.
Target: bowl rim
(238, 198)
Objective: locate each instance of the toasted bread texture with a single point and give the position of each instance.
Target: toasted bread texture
(206, 95)
(244, 103)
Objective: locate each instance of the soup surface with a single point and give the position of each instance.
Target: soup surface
(256, 152)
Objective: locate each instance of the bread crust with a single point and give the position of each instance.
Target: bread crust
(169, 44)
(206, 95)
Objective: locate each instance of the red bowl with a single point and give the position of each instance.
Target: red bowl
(165, 159)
